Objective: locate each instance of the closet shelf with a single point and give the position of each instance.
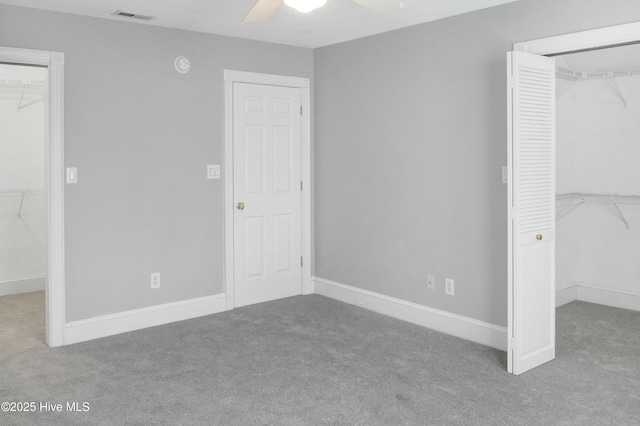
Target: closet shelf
(7, 82)
(24, 85)
(576, 199)
(20, 192)
(17, 192)
(573, 76)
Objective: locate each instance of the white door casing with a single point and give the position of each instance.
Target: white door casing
(267, 193)
(238, 261)
(600, 38)
(54, 118)
(531, 162)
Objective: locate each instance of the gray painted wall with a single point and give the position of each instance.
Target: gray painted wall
(141, 135)
(410, 137)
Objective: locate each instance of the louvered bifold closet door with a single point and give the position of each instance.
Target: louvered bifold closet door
(532, 211)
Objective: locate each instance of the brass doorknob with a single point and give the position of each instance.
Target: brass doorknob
(539, 237)
(240, 205)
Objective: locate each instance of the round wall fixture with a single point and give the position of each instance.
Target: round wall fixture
(182, 64)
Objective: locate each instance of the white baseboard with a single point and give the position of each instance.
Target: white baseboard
(601, 295)
(22, 285)
(594, 293)
(122, 322)
(445, 322)
(567, 294)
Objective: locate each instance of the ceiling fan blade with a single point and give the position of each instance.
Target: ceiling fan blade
(381, 7)
(261, 11)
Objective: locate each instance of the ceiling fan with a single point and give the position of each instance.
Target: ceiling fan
(263, 9)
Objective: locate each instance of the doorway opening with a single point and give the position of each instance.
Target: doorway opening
(53, 101)
(568, 202)
(598, 201)
(23, 206)
(598, 181)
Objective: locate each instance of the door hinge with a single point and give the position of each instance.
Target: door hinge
(300, 109)
(300, 185)
(301, 261)
(512, 344)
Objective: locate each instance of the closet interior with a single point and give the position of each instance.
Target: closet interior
(23, 204)
(598, 177)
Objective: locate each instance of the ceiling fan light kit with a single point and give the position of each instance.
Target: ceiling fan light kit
(305, 6)
(263, 9)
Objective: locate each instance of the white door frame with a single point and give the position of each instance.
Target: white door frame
(230, 77)
(584, 40)
(54, 139)
(575, 42)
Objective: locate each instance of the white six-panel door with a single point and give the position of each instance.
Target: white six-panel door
(531, 162)
(267, 193)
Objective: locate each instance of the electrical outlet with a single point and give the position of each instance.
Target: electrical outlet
(449, 286)
(155, 280)
(431, 282)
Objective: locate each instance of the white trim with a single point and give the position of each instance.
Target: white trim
(510, 210)
(123, 322)
(230, 77)
(566, 294)
(229, 277)
(456, 325)
(22, 285)
(592, 39)
(55, 305)
(305, 174)
(601, 295)
(267, 79)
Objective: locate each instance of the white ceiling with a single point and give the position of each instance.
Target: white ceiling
(337, 21)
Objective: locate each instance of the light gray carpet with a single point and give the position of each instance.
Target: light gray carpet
(22, 322)
(312, 360)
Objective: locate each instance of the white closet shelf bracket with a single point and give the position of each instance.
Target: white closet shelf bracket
(561, 93)
(577, 199)
(616, 89)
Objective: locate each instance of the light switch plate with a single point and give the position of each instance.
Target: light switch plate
(213, 171)
(72, 175)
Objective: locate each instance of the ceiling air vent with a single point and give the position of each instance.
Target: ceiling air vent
(133, 15)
